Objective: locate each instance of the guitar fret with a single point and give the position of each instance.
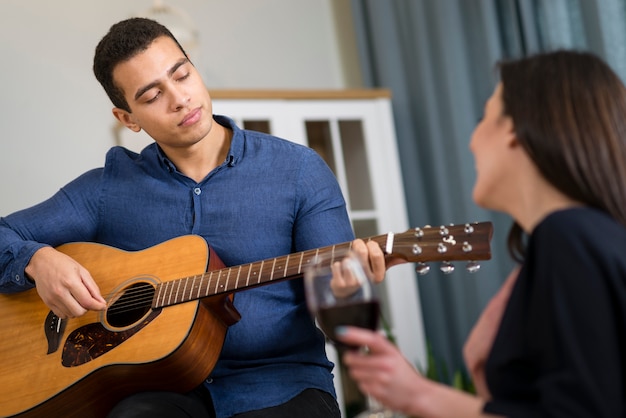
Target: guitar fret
(258, 279)
(227, 279)
(300, 263)
(208, 284)
(317, 253)
(180, 293)
(177, 284)
(272, 272)
(217, 282)
(184, 288)
(168, 293)
(286, 266)
(193, 284)
(279, 263)
(178, 299)
(238, 274)
(160, 296)
(174, 291)
(248, 278)
(200, 285)
(169, 290)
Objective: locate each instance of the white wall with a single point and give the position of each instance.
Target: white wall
(55, 119)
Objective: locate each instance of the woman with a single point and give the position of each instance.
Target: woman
(550, 152)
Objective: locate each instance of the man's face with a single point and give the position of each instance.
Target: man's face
(166, 96)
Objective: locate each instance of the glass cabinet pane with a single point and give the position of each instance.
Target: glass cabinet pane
(356, 163)
(364, 228)
(320, 139)
(258, 125)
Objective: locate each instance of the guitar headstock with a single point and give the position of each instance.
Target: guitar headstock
(446, 243)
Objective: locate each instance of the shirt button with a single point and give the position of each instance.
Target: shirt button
(197, 191)
(18, 278)
(209, 380)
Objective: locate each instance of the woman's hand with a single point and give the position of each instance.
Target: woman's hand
(382, 371)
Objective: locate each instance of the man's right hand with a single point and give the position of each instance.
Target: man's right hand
(65, 286)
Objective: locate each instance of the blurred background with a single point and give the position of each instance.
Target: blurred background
(435, 56)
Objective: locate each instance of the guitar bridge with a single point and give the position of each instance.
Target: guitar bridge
(53, 329)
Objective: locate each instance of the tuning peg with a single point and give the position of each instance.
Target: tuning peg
(419, 232)
(446, 267)
(472, 266)
(422, 268)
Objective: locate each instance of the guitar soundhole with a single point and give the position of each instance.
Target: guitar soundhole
(132, 305)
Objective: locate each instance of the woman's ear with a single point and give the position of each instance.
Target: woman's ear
(511, 135)
(126, 119)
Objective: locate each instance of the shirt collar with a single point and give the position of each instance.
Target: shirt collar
(235, 152)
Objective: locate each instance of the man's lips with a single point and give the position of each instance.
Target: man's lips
(191, 117)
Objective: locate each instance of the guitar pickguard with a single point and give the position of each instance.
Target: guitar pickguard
(93, 340)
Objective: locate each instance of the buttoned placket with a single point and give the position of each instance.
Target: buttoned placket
(197, 209)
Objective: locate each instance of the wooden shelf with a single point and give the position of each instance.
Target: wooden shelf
(349, 94)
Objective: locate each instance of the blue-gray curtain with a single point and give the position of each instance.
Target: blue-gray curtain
(437, 58)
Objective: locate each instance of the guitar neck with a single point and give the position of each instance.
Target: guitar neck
(231, 279)
(445, 243)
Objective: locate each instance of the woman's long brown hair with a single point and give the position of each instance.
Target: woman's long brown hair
(569, 113)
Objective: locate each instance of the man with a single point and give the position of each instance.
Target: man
(251, 196)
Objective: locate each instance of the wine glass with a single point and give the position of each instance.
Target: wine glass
(339, 293)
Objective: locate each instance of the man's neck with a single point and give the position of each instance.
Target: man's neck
(197, 161)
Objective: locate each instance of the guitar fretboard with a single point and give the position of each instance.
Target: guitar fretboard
(231, 279)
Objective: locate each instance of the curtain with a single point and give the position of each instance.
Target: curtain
(437, 57)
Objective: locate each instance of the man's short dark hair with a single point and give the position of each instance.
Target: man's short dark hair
(124, 40)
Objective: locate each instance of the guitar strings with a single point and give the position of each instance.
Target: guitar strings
(141, 294)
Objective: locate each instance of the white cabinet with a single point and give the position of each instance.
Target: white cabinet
(353, 130)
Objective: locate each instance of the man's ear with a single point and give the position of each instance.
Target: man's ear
(126, 119)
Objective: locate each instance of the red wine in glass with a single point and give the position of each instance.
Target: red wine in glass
(362, 314)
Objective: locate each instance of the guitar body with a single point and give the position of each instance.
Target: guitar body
(82, 366)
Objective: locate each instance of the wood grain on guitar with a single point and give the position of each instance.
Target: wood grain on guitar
(169, 307)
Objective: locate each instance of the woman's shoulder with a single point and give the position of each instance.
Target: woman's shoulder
(580, 231)
(580, 219)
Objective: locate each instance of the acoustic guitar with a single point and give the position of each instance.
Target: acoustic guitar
(168, 309)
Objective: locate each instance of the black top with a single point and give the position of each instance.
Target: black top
(561, 347)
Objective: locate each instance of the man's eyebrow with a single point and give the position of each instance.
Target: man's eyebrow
(171, 71)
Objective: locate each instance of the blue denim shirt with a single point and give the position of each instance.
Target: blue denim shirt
(269, 198)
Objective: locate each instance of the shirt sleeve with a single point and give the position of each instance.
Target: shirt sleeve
(68, 216)
(322, 218)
